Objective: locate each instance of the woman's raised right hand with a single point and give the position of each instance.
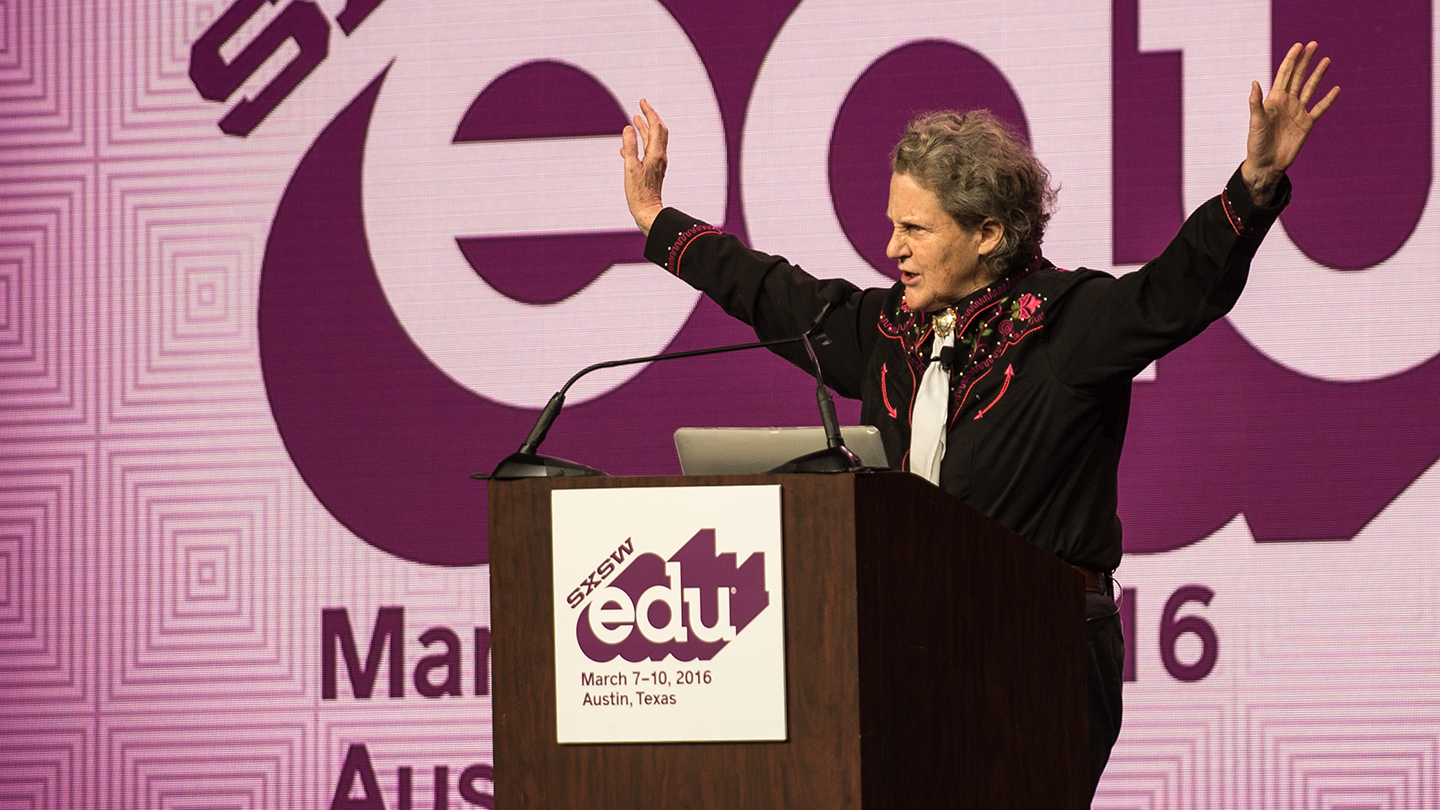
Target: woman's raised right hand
(644, 178)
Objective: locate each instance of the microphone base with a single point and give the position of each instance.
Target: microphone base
(529, 465)
(830, 460)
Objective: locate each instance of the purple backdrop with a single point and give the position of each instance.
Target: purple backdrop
(276, 277)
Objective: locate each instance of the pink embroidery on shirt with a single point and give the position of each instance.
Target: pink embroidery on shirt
(1005, 386)
(1240, 227)
(677, 250)
(884, 391)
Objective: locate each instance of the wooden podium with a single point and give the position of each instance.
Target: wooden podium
(934, 659)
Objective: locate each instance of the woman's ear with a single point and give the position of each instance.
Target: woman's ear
(991, 231)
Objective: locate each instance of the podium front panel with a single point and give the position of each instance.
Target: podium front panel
(932, 659)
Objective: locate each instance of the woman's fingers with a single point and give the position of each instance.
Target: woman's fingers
(629, 148)
(1297, 77)
(1325, 103)
(656, 135)
(1314, 82)
(1286, 70)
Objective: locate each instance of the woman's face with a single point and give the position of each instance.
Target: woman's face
(939, 260)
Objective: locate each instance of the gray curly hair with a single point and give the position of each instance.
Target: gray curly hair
(979, 167)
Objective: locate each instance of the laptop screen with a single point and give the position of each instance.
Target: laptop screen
(737, 451)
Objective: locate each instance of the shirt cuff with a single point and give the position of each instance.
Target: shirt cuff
(1248, 219)
(670, 233)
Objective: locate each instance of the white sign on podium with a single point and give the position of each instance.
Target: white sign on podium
(669, 615)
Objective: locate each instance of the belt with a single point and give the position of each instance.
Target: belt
(1094, 583)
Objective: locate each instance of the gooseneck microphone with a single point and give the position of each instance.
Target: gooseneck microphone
(836, 457)
(527, 463)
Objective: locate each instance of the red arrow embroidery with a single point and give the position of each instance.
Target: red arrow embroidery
(885, 392)
(1009, 373)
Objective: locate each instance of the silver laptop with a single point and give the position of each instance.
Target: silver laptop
(737, 451)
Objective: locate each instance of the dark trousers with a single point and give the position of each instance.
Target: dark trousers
(1105, 672)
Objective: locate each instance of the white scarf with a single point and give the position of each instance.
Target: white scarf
(932, 405)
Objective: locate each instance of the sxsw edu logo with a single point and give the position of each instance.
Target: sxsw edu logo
(689, 606)
(412, 319)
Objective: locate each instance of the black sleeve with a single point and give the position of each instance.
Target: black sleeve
(776, 298)
(1109, 329)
